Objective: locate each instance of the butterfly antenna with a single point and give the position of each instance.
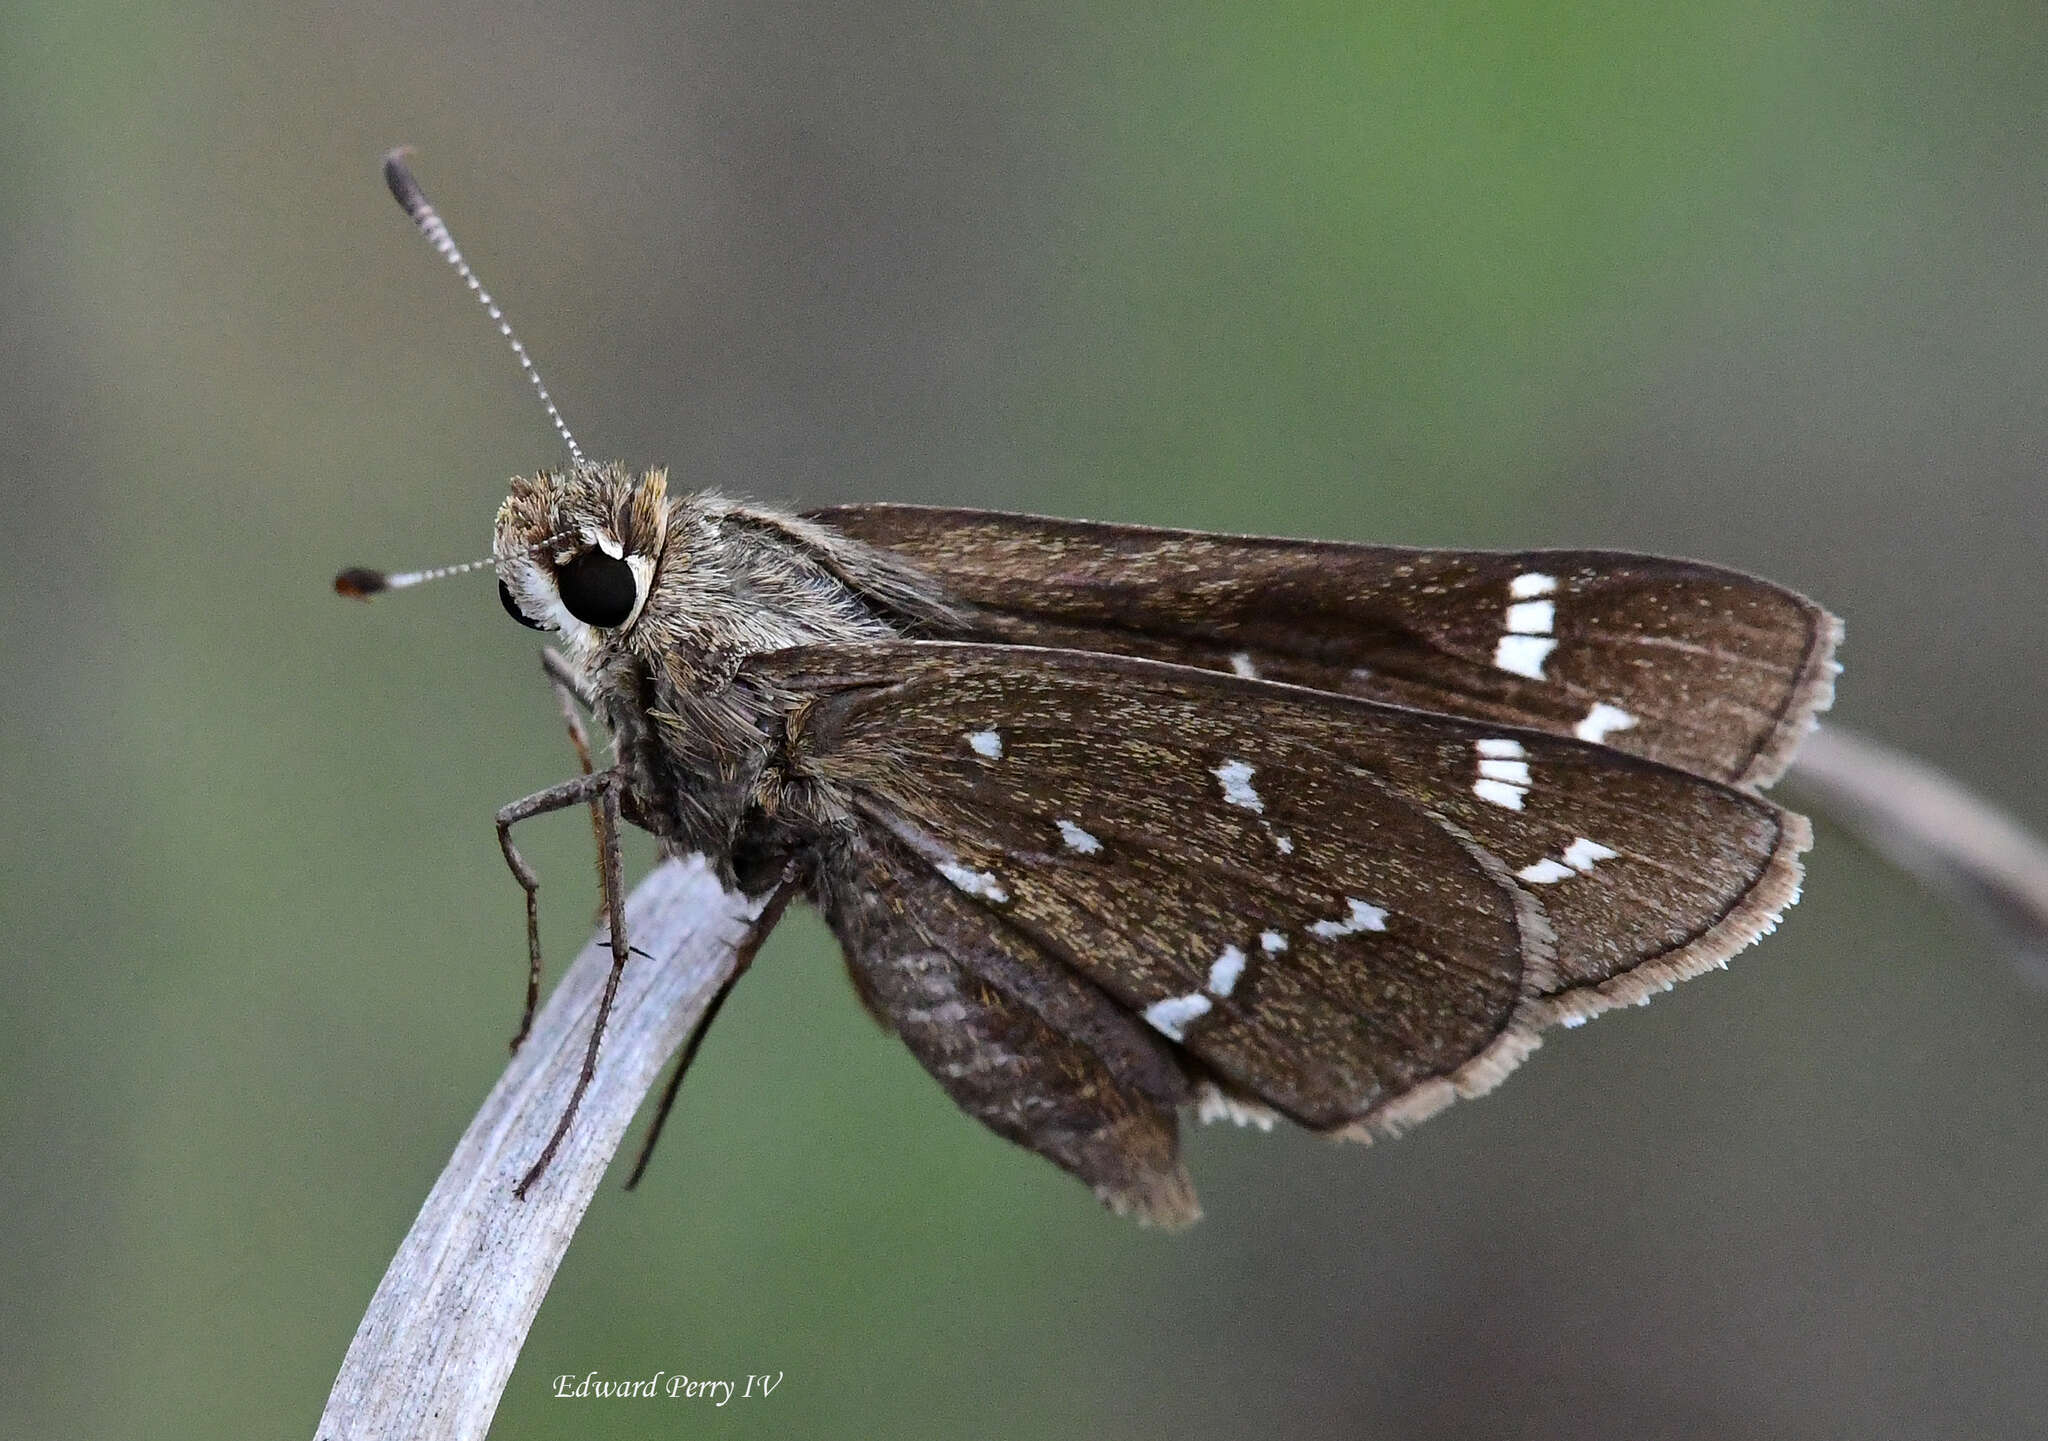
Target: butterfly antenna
(360, 582)
(406, 191)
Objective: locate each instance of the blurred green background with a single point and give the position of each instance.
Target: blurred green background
(1761, 283)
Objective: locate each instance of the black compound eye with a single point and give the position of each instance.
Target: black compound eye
(512, 609)
(598, 589)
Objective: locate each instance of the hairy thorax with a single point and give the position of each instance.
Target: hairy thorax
(702, 743)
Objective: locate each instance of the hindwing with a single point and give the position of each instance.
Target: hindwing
(1019, 1041)
(1348, 911)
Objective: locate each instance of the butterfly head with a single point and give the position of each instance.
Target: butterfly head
(576, 549)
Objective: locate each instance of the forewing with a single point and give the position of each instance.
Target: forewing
(1343, 909)
(1702, 668)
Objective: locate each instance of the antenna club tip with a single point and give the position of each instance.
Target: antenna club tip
(360, 583)
(398, 176)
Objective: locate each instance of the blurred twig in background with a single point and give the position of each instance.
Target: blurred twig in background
(1928, 825)
(438, 1343)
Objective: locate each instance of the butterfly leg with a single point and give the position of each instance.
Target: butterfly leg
(770, 914)
(530, 883)
(602, 788)
(562, 680)
(562, 676)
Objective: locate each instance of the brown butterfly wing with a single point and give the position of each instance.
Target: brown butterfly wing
(1702, 668)
(1348, 911)
(1018, 1040)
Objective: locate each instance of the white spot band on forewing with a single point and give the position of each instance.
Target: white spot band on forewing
(1241, 664)
(986, 743)
(974, 883)
(1545, 872)
(1272, 941)
(1363, 917)
(1078, 839)
(1528, 642)
(1602, 720)
(1515, 773)
(1172, 1016)
(1236, 779)
(1224, 973)
(1499, 793)
(1523, 654)
(1503, 773)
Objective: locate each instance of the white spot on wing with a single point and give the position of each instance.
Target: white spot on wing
(1223, 975)
(1236, 779)
(1241, 663)
(974, 883)
(1602, 719)
(1283, 844)
(1503, 773)
(1523, 654)
(1363, 917)
(1529, 622)
(1078, 839)
(1582, 854)
(1172, 1016)
(1578, 859)
(1499, 793)
(986, 743)
(1272, 941)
